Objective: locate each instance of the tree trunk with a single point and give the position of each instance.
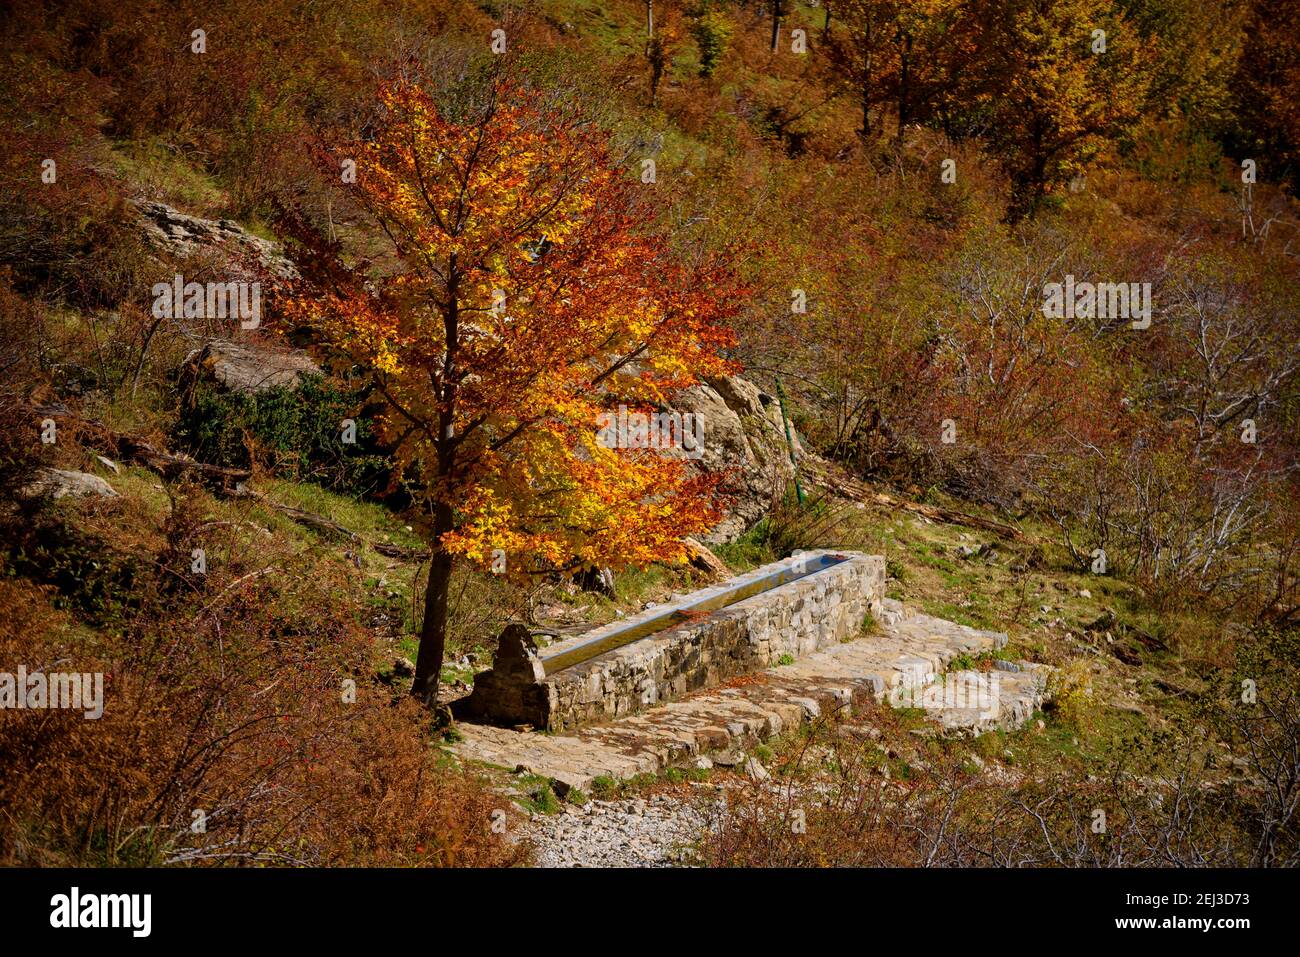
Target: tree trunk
(433, 632)
(776, 23)
(866, 80)
(866, 109)
(904, 93)
(866, 99)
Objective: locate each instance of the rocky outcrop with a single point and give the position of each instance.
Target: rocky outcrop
(183, 236)
(246, 366)
(745, 441)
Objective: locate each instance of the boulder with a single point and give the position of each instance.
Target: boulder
(249, 365)
(702, 559)
(745, 442)
(599, 580)
(63, 483)
(182, 236)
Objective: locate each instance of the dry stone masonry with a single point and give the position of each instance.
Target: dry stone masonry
(743, 625)
(905, 662)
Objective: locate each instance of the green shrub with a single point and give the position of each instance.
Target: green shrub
(711, 31)
(295, 432)
(544, 801)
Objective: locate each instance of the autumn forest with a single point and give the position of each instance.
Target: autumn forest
(308, 317)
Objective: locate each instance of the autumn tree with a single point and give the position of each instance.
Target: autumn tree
(662, 39)
(1268, 89)
(525, 293)
(900, 51)
(858, 49)
(1058, 78)
(1196, 51)
(931, 45)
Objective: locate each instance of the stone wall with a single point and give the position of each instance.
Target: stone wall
(793, 619)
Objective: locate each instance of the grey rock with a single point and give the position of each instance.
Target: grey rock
(183, 236)
(599, 580)
(246, 366)
(64, 483)
(745, 442)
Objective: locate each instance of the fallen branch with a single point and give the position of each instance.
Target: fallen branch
(234, 584)
(397, 551)
(313, 521)
(322, 524)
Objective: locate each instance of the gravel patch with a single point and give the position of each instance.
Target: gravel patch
(636, 832)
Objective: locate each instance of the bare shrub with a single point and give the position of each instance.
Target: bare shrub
(230, 733)
(1220, 791)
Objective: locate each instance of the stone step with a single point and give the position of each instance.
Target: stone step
(904, 664)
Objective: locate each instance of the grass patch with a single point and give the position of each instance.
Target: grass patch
(164, 174)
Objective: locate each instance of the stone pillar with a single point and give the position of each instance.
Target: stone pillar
(512, 691)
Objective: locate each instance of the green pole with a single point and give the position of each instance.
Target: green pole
(789, 441)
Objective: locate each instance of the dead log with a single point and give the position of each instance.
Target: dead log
(172, 465)
(315, 522)
(397, 551)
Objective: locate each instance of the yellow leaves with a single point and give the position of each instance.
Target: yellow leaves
(386, 358)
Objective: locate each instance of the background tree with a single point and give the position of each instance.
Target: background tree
(859, 46)
(1196, 51)
(660, 46)
(905, 52)
(524, 295)
(711, 29)
(928, 35)
(1050, 96)
(1268, 88)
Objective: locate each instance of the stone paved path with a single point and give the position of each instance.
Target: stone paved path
(901, 662)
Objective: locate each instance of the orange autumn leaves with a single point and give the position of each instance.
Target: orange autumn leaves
(528, 292)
